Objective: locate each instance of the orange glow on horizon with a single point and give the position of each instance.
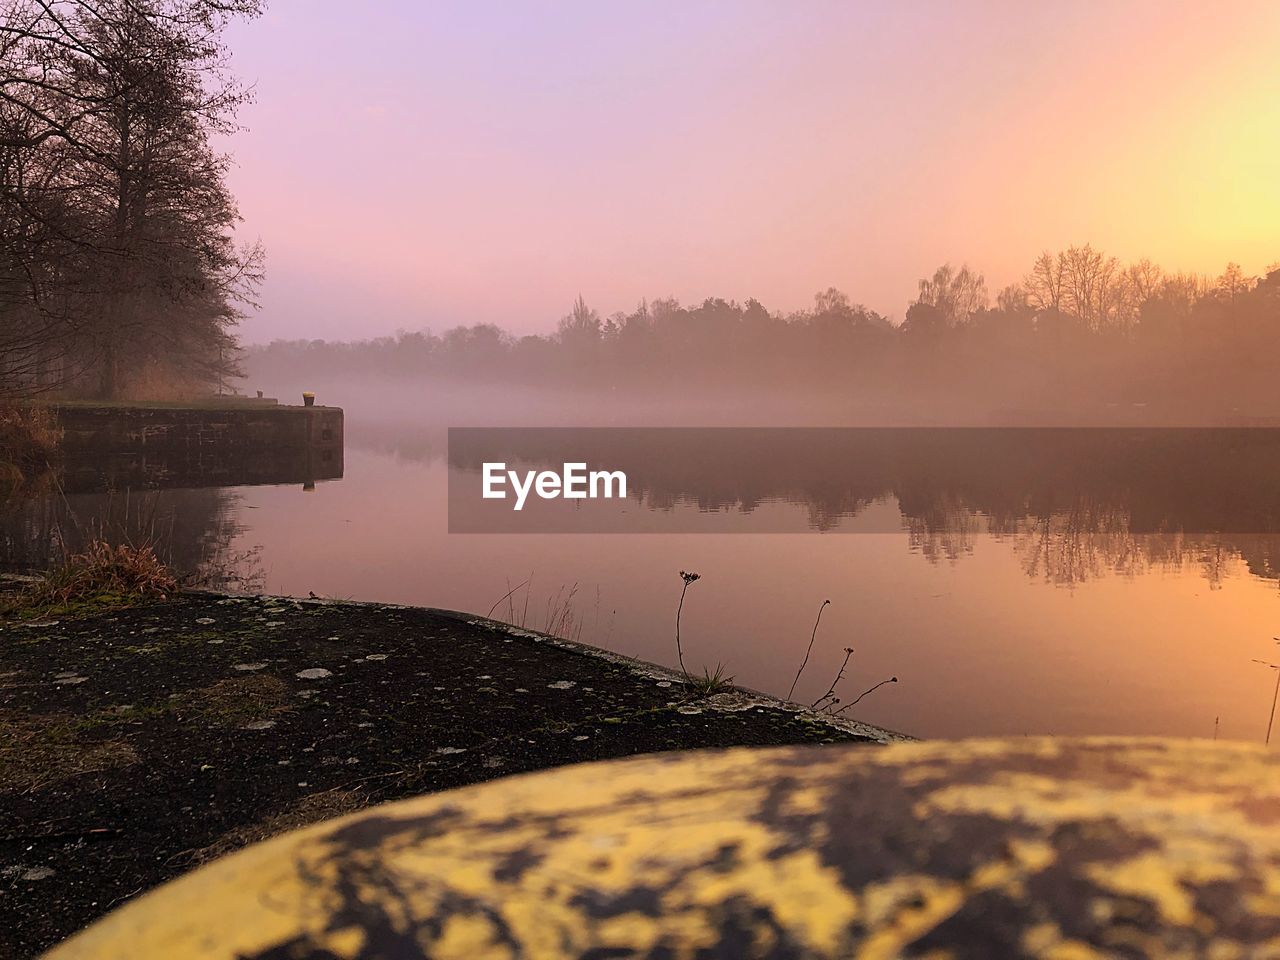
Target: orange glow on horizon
(489, 164)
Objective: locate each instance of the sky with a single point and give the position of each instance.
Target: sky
(418, 165)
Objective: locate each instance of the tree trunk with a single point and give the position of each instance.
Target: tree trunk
(108, 385)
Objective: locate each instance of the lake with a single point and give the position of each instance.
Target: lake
(1003, 606)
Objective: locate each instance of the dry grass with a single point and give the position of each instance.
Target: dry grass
(29, 438)
(121, 574)
(559, 618)
(312, 808)
(239, 700)
(39, 751)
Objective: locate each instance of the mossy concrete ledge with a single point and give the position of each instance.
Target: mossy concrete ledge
(224, 427)
(137, 743)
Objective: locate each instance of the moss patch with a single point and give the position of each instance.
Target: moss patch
(40, 753)
(253, 698)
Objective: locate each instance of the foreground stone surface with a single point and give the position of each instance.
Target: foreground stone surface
(139, 743)
(1135, 848)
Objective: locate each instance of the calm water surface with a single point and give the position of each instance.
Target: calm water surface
(1081, 631)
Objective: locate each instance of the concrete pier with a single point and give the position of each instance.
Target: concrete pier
(218, 442)
(231, 427)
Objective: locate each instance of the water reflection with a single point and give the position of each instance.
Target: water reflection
(1155, 634)
(169, 468)
(192, 530)
(181, 500)
(1059, 551)
(1076, 503)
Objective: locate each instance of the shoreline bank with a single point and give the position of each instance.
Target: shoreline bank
(143, 741)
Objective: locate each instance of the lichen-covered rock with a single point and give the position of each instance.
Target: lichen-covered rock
(1073, 848)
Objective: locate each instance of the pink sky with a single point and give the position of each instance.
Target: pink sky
(420, 165)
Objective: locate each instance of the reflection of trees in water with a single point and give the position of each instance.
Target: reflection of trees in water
(1067, 549)
(1076, 504)
(176, 498)
(1065, 557)
(1088, 542)
(945, 532)
(1260, 552)
(192, 530)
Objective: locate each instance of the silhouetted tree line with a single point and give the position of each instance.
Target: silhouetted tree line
(1079, 331)
(118, 268)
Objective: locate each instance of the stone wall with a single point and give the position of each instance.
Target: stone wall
(117, 447)
(240, 428)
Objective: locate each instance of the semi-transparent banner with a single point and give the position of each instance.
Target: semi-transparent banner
(1112, 481)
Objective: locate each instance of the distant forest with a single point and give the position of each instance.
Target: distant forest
(1080, 331)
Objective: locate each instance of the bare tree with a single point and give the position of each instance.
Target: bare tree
(1013, 299)
(1045, 284)
(956, 295)
(1231, 286)
(1090, 285)
(1145, 279)
(122, 257)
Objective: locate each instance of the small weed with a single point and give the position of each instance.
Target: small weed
(829, 703)
(871, 689)
(830, 695)
(812, 637)
(709, 684)
(560, 617)
(688, 578)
